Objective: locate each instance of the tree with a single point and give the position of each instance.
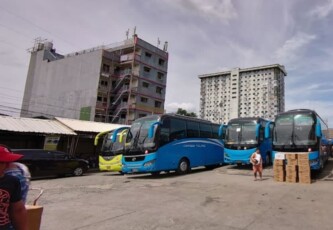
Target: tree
(183, 112)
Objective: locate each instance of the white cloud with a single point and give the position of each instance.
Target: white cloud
(222, 10)
(323, 11)
(291, 49)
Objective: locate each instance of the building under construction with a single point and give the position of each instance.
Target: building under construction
(117, 83)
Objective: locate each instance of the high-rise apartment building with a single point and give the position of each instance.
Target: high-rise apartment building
(249, 92)
(117, 83)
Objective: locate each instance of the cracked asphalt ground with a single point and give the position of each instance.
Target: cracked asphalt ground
(223, 198)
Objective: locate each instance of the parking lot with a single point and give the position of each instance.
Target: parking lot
(223, 198)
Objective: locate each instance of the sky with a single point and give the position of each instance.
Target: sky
(203, 37)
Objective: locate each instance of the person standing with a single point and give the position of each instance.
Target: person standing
(256, 161)
(13, 214)
(20, 171)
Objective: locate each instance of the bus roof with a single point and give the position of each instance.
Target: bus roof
(174, 115)
(308, 111)
(247, 119)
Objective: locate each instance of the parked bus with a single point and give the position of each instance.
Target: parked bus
(172, 142)
(302, 131)
(243, 136)
(110, 155)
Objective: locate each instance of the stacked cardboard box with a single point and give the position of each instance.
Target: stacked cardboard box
(279, 172)
(304, 172)
(291, 167)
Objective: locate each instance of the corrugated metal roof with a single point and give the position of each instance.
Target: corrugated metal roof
(87, 126)
(31, 125)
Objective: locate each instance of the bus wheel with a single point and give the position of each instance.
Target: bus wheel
(183, 166)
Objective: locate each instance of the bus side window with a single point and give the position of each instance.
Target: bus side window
(215, 129)
(177, 129)
(192, 129)
(205, 130)
(165, 132)
(261, 133)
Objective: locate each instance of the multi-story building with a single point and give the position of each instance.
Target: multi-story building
(117, 83)
(249, 92)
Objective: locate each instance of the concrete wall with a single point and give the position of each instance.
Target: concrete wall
(62, 87)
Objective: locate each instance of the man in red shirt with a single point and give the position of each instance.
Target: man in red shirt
(12, 208)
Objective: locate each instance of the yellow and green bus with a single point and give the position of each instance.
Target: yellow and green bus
(112, 149)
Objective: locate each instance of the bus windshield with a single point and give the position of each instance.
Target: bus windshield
(138, 134)
(110, 148)
(294, 129)
(241, 133)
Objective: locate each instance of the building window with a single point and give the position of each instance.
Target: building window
(159, 90)
(148, 55)
(158, 104)
(144, 99)
(146, 69)
(160, 76)
(104, 83)
(145, 84)
(106, 68)
(161, 62)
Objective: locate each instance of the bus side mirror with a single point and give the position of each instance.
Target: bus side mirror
(123, 134)
(151, 129)
(222, 131)
(115, 133)
(268, 130)
(318, 129)
(99, 135)
(257, 131)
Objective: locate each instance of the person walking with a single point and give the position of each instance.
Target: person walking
(13, 214)
(256, 161)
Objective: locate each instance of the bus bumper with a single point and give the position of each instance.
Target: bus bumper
(111, 167)
(146, 166)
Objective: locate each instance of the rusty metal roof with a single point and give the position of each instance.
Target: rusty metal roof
(87, 126)
(31, 125)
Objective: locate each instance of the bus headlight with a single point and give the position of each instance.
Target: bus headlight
(149, 163)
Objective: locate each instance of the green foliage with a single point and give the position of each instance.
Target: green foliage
(183, 112)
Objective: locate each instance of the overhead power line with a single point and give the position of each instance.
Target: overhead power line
(37, 26)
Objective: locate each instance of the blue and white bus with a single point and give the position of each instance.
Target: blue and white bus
(302, 131)
(243, 136)
(171, 142)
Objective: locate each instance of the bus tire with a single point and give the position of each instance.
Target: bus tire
(183, 166)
